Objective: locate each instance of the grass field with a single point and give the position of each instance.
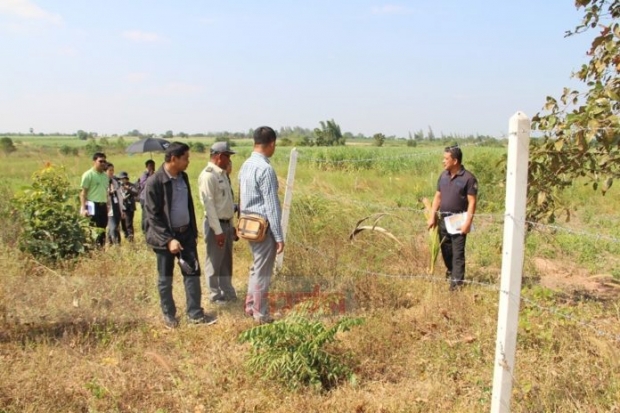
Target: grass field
(88, 337)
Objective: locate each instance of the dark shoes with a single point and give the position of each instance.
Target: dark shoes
(224, 300)
(170, 322)
(456, 287)
(205, 320)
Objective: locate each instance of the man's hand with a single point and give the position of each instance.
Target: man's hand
(174, 247)
(279, 247)
(220, 239)
(466, 227)
(432, 221)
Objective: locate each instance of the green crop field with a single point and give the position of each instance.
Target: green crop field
(87, 335)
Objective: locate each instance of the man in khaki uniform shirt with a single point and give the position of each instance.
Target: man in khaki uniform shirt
(217, 199)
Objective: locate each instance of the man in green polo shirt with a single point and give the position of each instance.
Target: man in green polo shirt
(94, 195)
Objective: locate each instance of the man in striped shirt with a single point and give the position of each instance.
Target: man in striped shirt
(259, 195)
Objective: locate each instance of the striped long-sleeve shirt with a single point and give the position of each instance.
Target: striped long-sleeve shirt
(259, 192)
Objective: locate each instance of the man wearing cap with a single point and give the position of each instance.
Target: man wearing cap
(129, 193)
(217, 199)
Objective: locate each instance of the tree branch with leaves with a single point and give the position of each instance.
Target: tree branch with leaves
(581, 130)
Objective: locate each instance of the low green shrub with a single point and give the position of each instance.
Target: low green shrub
(293, 351)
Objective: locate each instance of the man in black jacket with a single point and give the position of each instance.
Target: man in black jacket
(171, 231)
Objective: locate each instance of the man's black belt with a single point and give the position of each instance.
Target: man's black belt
(224, 221)
(181, 229)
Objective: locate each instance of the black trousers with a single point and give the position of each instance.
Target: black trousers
(100, 220)
(453, 253)
(127, 224)
(191, 282)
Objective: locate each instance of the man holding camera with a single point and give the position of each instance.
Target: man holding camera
(129, 193)
(171, 231)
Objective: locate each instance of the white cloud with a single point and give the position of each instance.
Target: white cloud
(139, 36)
(136, 77)
(28, 10)
(390, 9)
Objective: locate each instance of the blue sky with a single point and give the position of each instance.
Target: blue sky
(203, 65)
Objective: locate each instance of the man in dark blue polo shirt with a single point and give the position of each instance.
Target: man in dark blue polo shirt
(456, 193)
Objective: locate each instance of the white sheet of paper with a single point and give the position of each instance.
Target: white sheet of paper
(454, 222)
(90, 207)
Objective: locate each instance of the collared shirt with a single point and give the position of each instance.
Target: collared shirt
(454, 190)
(179, 209)
(259, 192)
(216, 196)
(96, 185)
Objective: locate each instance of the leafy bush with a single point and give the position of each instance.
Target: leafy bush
(379, 139)
(68, 150)
(198, 147)
(225, 139)
(285, 142)
(52, 230)
(92, 147)
(292, 351)
(9, 226)
(7, 146)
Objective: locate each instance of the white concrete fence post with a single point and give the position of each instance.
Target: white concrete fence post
(512, 262)
(288, 198)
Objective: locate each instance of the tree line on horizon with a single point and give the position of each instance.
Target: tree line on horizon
(329, 133)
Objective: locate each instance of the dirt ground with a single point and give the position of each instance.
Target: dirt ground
(565, 276)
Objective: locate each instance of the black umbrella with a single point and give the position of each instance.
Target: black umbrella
(148, 145)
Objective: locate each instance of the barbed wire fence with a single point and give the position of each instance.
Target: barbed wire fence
(606, 328)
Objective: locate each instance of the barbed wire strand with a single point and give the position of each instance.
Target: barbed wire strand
(495, 287)
(369, 205)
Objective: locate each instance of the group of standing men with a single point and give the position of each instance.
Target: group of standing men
(110, 200)
(171, 228)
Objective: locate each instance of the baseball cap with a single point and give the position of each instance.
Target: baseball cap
(123, 175)
(221, 147)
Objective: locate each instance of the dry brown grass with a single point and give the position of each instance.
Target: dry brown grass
(90, 339)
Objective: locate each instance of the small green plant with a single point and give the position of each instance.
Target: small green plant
(52, 230)
(293, 350)
(97, 390)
